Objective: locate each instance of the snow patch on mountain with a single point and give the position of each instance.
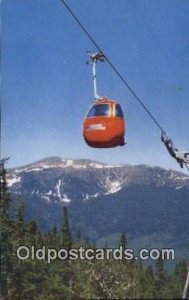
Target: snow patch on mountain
(49, 193)
(70, 179)
(87, 196)
(182, 178)
(37, 168)
(63, 197)
(63, 163)
(68, 163)
(58, 188)
(46, 198)
(112, 186)
(175, 177)
(33, 170)
(178, 187)
(12, 180)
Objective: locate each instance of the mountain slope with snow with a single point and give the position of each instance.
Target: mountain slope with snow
(105, 199)
(99, 179)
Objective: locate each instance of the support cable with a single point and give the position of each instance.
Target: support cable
(181, 159)
(111, 65)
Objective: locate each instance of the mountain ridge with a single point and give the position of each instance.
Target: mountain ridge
(61, 163)
(105, 200)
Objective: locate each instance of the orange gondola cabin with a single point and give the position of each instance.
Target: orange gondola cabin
(104, 125)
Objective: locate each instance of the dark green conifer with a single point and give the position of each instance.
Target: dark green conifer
(123, 241)
(5, 234)
(66, 234)
(161, 278)
(150, 283)
(19, 220)
(180, 275)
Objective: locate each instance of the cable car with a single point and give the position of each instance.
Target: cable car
(104, 125)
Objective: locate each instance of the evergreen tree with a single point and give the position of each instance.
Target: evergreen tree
(79, 236)
(17, 274)
(161, 278)
(150, 283)
(123, 241)
(5, 234)
(66, 235)
(19, 221)
(66, 270)
(180, 275)
(140, 281)
(32, 236)
(52, 238)
(80, 279)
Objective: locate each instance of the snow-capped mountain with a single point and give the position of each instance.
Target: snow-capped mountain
(104, 179)
(95, 179)
(105, 199)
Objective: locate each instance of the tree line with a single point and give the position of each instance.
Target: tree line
(73, 279)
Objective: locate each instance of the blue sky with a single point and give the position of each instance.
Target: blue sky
(47, 86)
